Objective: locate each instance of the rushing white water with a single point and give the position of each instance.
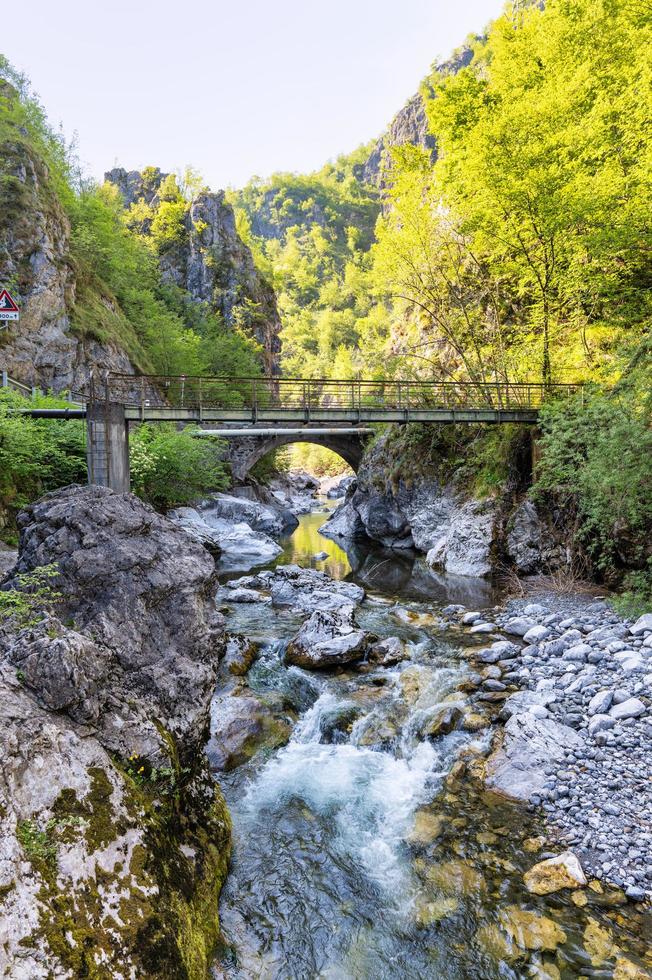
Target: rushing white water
(353, 858)
(370, 798)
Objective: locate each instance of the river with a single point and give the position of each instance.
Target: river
(358, 852)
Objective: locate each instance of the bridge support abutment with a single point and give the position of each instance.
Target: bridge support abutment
(107, 445)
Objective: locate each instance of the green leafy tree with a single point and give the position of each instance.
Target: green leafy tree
(172, 468)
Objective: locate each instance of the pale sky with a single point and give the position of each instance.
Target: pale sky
(234, 89)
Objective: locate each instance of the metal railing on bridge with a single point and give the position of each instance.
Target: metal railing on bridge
(309, 395)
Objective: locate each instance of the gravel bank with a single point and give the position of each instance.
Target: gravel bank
(574, 682)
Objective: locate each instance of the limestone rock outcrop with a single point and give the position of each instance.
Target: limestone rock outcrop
(114, 838)
(409, 125)
(212, 263)
(45, 347)
(460, 535)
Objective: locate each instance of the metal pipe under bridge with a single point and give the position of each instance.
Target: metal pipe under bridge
(293, 409)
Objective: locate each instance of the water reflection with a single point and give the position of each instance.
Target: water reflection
(379, 569)
(305, 542)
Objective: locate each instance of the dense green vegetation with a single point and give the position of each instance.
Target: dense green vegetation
(35, 456)
(120, 296)
(169, 467)
(596, 465)
(312, 235)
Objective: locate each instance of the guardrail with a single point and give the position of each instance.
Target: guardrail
(310, 394)
(74, 398)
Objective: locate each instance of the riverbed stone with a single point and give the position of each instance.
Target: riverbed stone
(600, 703)
(445, 720)
(599, 943)
(387, 652)
(642, 625)
(625, 969)
(456, 878)
(428, 913)
(536, 634)
(531, 930)
(327, 639)
(600, 723)
(555, 874)
(519, 626)
(517, 768)
(631, 708)
(428, 826)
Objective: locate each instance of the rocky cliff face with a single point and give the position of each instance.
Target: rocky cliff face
(410, 125)
(212, 263)
(42, 348)
(459, 534)
(114, 837)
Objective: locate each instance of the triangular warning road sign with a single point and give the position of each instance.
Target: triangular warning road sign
(8, 308)
(7, 305)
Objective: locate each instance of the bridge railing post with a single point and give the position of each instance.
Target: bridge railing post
(254, 401)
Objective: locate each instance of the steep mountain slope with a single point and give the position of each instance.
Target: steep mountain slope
(410, 124)
(36, 264)
(96, 292)
(205, 257)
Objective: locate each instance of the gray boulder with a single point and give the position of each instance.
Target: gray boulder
(327, 639)
(600, 703)
(519, 626)
(234, 543)
(387, 652)
(631, 708)
(137, 598)
(522, 701)
(528, 543)
(303, 589)
(517, 769)
(642, 625)
(108, 696)
(344, 523)
(239, 510)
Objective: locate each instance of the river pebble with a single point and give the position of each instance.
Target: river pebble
(581, 665)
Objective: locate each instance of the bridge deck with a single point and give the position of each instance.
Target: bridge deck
(328, 417)
(324, 401)
(320, 402)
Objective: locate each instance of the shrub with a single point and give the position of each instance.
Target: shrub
(35, 596)
(597, 462)
(172, 468)
(36, 455)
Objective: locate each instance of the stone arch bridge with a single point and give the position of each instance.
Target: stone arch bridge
(258, 415)
(246, 449)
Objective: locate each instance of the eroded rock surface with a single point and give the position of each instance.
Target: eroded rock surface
(530, 744)
(459, 534)
(327, 639)
(106, 798)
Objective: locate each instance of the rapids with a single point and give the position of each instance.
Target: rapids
(357, 853)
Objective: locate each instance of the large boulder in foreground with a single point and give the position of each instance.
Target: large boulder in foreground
(327, 639)
(142, 637)
(114, 839)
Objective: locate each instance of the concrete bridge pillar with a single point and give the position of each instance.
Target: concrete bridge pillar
(107, 445)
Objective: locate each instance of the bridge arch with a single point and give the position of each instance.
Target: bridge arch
(245, 451)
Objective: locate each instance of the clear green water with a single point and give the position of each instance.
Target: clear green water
(356, 853)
